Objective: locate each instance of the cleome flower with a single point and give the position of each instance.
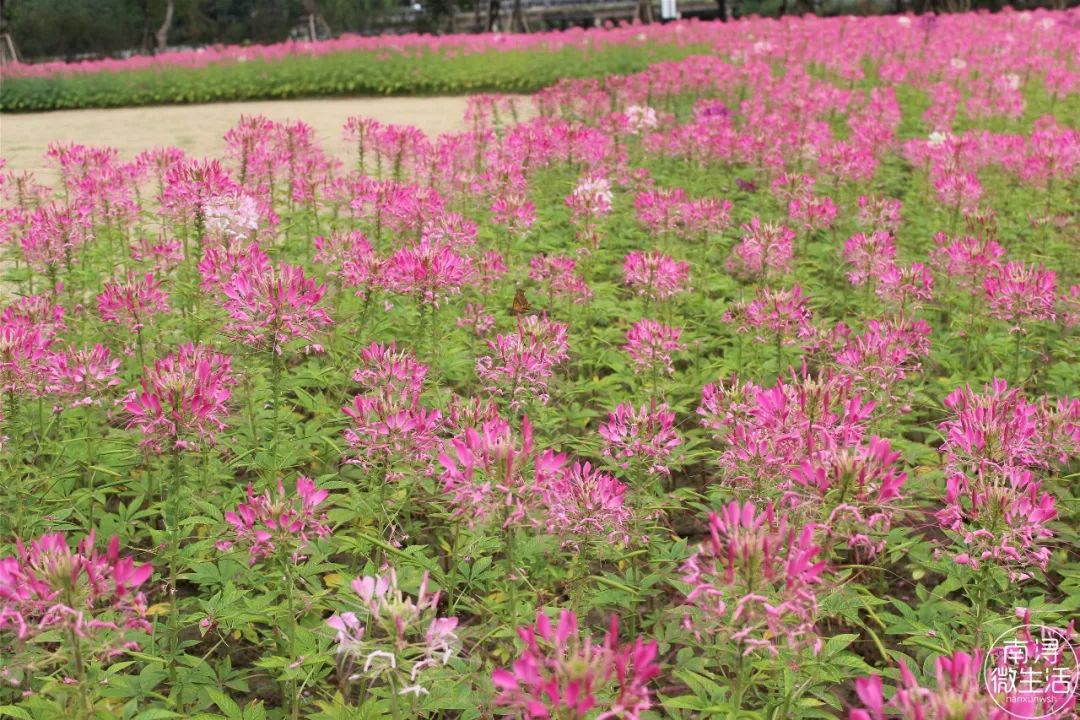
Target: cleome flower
(562, 674)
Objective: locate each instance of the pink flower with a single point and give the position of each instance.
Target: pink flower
(958, 685)
(476, 318)
(905, 287)
(968, 261)
(49, 587)
(270, 308)
(559, 274)
(880, 214)
(522, 362)
(429, 272)
(854, 488)
(53, 235)
(1020, 294)
(583, 505)
(183, 401)
(655, 276)
(562, 674)
(869, 255)
(754, 580)
(781, 316)
(646, 435)
(764, 251)
(267, 524)
(650, 345)
(391, 374)
(488, 474)
(389, 432)
(131, 304)
(766, 433)
(24, 358)
(82, 376)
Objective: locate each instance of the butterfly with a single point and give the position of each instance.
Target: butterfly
(521, 304)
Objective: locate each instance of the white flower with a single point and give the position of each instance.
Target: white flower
(640, 117)
(958, 63)
(904, 20)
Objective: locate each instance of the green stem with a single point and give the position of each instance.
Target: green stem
(1016, 360)
(173, 522)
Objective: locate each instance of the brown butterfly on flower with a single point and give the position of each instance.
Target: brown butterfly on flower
(521, 305)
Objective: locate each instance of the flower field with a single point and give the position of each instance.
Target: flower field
(744, 386)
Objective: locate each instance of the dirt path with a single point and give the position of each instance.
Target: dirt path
(198, 129)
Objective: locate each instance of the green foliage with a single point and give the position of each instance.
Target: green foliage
(341, 74)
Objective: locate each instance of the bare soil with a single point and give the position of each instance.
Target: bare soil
(199, 129)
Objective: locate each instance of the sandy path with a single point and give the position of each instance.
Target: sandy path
(198, 129)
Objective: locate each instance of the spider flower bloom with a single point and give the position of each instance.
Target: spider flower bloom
(386, 433)
(991, 431)
(586, 505)
(1000, 519)
(427, 271)
(645, 436)
(35, 311)
(869, 255)
(968, 262)
(889, 351)
(754, 580)
(183, 400)
(591, 198)
(880, 214)
(522, 362)
(904, 287)
(814, 213)
(233, 218)
(650, 345)
(82, 376)
(562, 674)
(389, 634)
(47, 586)
(489, 474)
(781, 316)
(1019, 294)
(855, 488)
(24, 359)
(765, 250)
(132, 303)
(959, 687)
(640, 118)
(268, 309)
(52, 236)
(389, 373)
(655, 276)
(558, 273)
(287, 522)
(765, 433)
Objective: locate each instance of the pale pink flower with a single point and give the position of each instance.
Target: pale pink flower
(133, 302)
(655, 276)
(650, 345)
(644, 435)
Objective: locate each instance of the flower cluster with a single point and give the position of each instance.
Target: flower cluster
(390, 637)
(91, 596)
(267, 524)
(655, 276)
(562, 674)
(183, 402)
(754, 580)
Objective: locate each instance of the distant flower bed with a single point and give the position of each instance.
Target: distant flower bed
(741, 387)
